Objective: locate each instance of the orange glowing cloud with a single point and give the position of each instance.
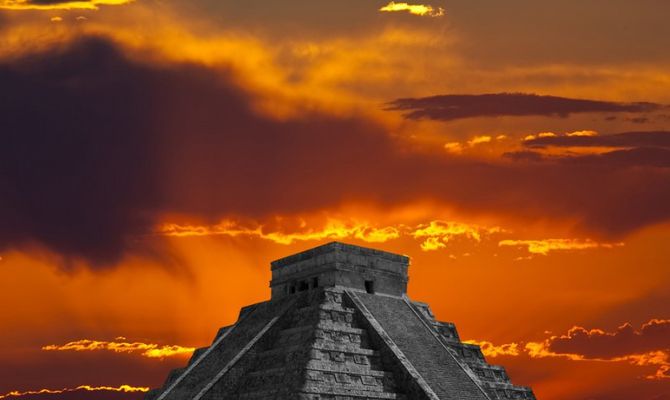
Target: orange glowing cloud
(85, 388)
(59, 5)
(479, 140)
(491, 350)
(333, 229)
(544, 246)
(474, 143)
(541, 350)
(660, 359)
(432, 235)
(582, 133)
(453, 147)
(149, 350)
(645, 347)
(414, 9)
(436, 233)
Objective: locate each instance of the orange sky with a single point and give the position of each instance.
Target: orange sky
(156, 156)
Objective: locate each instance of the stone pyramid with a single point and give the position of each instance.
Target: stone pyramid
(339, 326)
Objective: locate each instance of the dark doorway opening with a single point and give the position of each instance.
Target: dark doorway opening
(302, 286)
(370, 287)
(315, 283)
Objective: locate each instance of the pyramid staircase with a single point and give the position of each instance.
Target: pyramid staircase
(492, 378)
(315, 350)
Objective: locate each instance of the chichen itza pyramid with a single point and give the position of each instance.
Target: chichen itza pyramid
(339, 326)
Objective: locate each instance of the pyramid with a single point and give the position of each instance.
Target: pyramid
(339, 326)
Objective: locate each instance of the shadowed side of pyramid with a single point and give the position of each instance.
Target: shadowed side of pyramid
(339, 326)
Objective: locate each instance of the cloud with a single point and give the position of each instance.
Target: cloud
(333, 229)
(452, 107)
(598, 343)
(544, 246)
(591, 139)
(432, 235)
(436, 234)
(479, 140)
(59, 4)
(82, 388)
(414, 9)
(647, 346)
(115, 146)
(112, 142)
(636, 157)
(149, 350)
(458, 147)
(491, 350)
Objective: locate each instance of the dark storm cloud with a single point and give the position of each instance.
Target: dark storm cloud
(451, 107)
(74, 164)
(596, 343)
(625, 139)
(94, 145)
(96, 148)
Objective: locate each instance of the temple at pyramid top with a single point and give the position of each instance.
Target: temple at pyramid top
(339, 326)
(340, 265)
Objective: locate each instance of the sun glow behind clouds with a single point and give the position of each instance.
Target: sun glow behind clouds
(414, 9)
(432, 235)
(333, 229)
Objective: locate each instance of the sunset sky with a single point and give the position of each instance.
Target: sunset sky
(155, 156)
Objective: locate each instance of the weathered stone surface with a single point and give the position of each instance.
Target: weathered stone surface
(347, 331)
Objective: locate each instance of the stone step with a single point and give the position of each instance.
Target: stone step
(467, 352)
(340, 391)
(321, 314)
(489, 373)
(324, 331)
(323, 306)
(502, 391)
(347, 368)
(322, 351)
(272, 395)
(330, 346)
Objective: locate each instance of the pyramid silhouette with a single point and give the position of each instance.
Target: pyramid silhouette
(339, 326)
